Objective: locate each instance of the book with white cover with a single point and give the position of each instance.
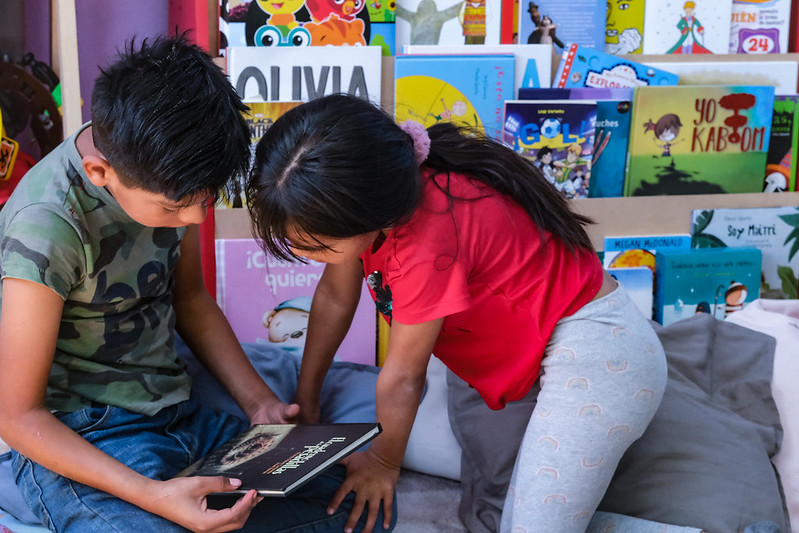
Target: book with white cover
(680, 27)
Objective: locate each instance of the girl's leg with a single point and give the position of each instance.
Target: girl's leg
(603, 376)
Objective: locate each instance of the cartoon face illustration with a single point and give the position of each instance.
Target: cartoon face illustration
(272, 36)
(625, 20)
(288, 321)
(344, 9)
(282, 7)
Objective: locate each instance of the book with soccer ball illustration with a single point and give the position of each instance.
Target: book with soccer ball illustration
(276, 459)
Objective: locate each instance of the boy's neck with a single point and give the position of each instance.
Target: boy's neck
(85, 144)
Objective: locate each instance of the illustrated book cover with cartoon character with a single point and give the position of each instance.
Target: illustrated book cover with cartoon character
(533, 61)
(707, 139)
(639, 286)
(269, 301)
(465, 89)
(470, 23)
(277, 459)
(772, 230)
(301, 23)
(558, 136)
(584, 67)
(760, 26)
(718, 281)
(783, 148)
(562, 23)
(624, 27)
(687, 26)
(613, 113)
(292, 74)
(627, 251)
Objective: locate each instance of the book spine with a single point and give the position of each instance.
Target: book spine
(564, 69)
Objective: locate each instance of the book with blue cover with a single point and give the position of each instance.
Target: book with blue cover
(464, 89)
(627, 251)
(562, 23)
(585, 67)
(638, 283)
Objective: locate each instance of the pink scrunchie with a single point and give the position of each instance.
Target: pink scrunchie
(421, 139)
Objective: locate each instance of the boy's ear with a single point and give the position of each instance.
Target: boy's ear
(97, 169)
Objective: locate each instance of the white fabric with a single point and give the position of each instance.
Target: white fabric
(780, 319)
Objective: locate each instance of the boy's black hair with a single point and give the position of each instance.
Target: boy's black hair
(168, 121)
(339, 166)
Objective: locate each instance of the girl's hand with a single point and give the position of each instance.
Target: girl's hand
(275, 412)
(183, 501)
(373, 481)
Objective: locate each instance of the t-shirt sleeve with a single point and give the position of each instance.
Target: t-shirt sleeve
(426, 292)
(39, 245)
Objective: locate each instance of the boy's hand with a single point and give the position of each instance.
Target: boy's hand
(183, 501)
(309, 413)
(373, 482)
(275, 412)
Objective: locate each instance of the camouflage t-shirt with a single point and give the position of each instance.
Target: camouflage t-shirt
(116, 340)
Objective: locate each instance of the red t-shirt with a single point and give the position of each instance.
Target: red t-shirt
(481, 264)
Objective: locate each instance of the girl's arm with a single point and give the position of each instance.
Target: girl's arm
(31, 316)
(373, 474)
(334, 303)
(207, 333)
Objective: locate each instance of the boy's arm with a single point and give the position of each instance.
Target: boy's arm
(373, 474)
(334, 303)
(31, 315)
(207, 333)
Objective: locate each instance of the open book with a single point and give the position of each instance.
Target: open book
(275, 459)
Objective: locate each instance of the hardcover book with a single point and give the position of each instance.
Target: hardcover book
(772, 230)
(638, 283)
(561, 23)
(583, 67)
(624, 27)
(558, 136)
(465, 89)
(629, 251)
(291, 73)
(533, 61)
(692, 27)
(698, 139)
(760, 27)
(276, 459)
(269, 301)
(448, 22)
(783, 146)
(718, 281)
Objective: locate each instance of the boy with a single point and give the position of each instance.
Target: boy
(100, 269)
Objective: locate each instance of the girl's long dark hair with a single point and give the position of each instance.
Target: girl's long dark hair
(339, 166)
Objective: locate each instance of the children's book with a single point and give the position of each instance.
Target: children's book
(465, 89)
(772, 230)
(561, 23)
(558, 136)
(269, 301)
(638, 284)
(291, 73)
(613, 114)
(624, 27)
(627, 251)
(692, 27)
(509, 22)
(448, 22)
(277, 459)
(698, 139)
(533, 61)
(760, 26)
(583, 67)
(783, 146)
(718, 281)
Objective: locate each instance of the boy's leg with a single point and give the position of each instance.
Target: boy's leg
(604, 374)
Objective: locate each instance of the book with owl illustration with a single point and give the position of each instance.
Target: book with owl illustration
(465, 89)
(707, 139)
(558, 136)
(687, 27)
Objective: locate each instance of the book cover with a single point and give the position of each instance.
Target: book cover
(509, 22)
(558, 136)
(584, 67)
(290, 73)
(783, 146)
(760, 26)
(448, 22)
(624, 27)
(627, 251)
(692, 27)
(609, 157)
(698, 139)
(269, 301)
(718, 281)
(561, 23)
(466, 89)
(772, 230)
(276, 459)
(533, 61)
(638, 283)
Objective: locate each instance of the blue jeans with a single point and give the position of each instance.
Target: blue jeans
(159, 447)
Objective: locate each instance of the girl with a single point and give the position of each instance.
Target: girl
(472, 256)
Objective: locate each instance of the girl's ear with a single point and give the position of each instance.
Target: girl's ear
(97, 169)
